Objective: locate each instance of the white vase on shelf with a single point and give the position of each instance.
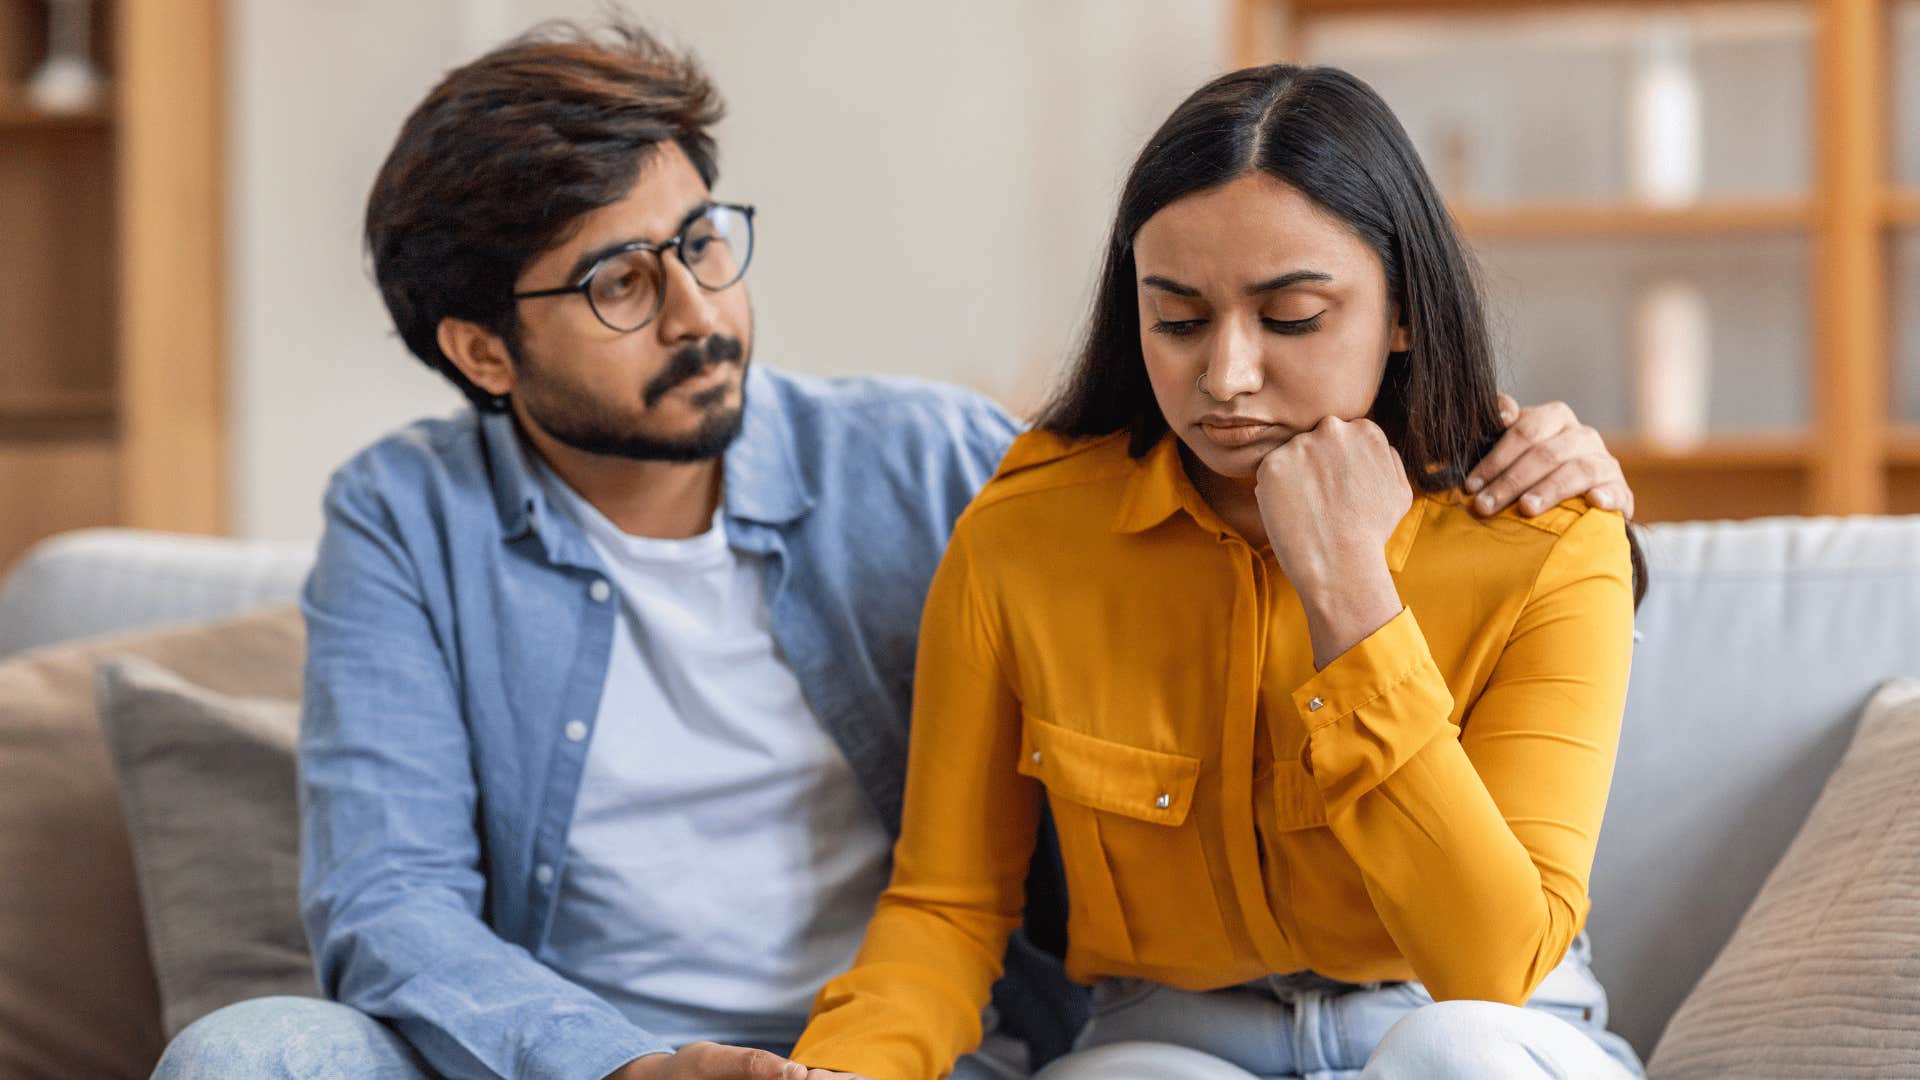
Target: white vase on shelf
(1663, 117)
(1673, 363)
(68, 82)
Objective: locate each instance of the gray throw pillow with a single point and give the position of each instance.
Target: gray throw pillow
(208, 785)
(1822, 975)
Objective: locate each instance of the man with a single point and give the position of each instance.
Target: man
(609, 676)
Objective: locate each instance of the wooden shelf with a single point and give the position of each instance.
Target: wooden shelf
(1718, 453)
(1570, 220)
(14, 117)
(1314, 9)
(1903, 444)
(88, 405)
(1902, 207)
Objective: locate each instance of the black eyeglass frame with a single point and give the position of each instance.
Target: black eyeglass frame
(676, 245)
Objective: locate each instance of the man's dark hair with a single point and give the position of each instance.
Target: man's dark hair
(506, 154)
(1328, 135)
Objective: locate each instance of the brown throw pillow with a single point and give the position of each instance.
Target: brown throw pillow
(208, 783)
(1822, 976)
(77, 991)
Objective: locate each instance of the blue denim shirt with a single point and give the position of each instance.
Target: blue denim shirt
(457, 624)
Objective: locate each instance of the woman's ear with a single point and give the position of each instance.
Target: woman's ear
(1400, 340)
(479, 353)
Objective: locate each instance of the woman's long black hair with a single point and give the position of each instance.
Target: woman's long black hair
(1329, 136)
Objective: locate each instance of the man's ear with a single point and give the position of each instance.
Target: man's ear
(479, 353)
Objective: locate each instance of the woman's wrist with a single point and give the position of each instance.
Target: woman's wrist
(1346, 605)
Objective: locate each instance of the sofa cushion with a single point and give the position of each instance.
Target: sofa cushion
(208, 784)
(1822, 974)
(77, 991)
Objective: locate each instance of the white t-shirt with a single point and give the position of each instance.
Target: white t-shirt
(723, 860)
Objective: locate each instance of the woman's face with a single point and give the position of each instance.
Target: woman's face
(1276, 302)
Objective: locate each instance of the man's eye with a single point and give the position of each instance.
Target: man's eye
(611, 285)
(1177, 327)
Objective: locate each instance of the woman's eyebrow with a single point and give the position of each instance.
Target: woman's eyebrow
(1288, 280)
(1155, 281)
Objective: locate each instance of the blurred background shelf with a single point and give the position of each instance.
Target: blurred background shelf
(1724, 452)
(1574, 220)
(1903, 445)
(1805, 171)
(111, 365)
(26, 406)
(18, 118)
(1903, 205)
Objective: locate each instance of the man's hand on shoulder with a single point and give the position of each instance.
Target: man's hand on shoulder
(1545, 457)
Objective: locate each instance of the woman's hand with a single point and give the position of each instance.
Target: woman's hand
(1330, 499)
(1546, 457)
(712, 1061)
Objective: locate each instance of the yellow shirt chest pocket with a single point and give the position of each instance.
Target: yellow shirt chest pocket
(1138, 884)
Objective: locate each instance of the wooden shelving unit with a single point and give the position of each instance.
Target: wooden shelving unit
(110, 320)
(1722, 453)
(1566, 221)
(1903, 208)
(1851, 459)
(15, 117)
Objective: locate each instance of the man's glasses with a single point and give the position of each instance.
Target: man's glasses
(627, 285)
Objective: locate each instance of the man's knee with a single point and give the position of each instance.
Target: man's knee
(1458, 1040)
(288, 1037)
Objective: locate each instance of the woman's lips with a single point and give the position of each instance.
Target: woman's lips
(1239, 434)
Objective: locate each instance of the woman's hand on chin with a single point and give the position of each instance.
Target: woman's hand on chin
(1330, 499)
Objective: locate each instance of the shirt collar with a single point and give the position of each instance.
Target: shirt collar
(1159, 488)
(761, 474)
(763, 479)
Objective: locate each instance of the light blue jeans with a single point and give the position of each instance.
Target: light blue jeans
(295, 1038)
(1309, 1027)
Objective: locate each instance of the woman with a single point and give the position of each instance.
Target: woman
(1322, 746)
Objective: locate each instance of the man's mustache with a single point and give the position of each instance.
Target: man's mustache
(689, 363)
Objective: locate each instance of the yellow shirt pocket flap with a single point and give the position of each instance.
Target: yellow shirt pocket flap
(1148, 785)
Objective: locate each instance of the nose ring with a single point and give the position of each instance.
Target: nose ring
(1201, 382)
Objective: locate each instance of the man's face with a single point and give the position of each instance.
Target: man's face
(672, 390)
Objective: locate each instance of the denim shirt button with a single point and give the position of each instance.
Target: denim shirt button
(600, 590)
(543, 874)
(576, 730)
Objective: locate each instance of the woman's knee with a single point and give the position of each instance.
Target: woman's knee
(1457, 1040)
(286, 1037)
(1142, 1061)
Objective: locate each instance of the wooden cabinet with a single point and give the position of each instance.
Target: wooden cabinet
(111, 328)
(1845, 443)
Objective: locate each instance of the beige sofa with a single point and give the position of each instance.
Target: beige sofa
(1760, 641)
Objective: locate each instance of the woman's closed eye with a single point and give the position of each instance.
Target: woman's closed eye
(1184, 327)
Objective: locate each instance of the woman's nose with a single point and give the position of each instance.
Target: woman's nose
(1233, 366)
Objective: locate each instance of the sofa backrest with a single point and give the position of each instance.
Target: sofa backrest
(107, 581)
(1760, 642)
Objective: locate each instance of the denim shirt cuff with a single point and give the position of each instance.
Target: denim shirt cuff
(571, 1053)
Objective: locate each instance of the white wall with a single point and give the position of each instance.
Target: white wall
(933, 179)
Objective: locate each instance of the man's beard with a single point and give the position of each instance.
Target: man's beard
(586, 423)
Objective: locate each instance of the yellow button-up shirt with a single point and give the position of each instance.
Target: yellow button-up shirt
(1424, 807)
